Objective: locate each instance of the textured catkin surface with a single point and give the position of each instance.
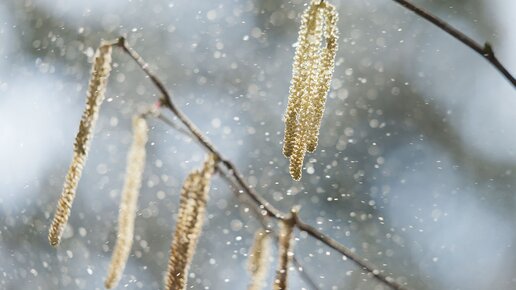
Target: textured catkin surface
(324, 74)
(311, 77)
(190, 219)
(95, 97)
(258, 260)
(128, 203)
(299, 75)
(284, 255)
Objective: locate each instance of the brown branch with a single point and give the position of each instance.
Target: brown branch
(231, 171)
(260, 217)
(486, 51)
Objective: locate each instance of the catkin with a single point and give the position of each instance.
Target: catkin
(311, 76)
(299, 75)
(95, 96)
(192, 207)
(327, 64)
(284, 253)
(311, 87)
(258, 260)
(128, 203)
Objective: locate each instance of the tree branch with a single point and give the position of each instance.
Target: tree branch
(231, 172)
(486, 51)
(261, 218)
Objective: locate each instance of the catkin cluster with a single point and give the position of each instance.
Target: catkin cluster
(284, 248)
(128, 203)
(312, 71)
(95, 96)
(258, 260)
(192, 207)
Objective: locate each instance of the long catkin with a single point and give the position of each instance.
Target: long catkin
(311, 76)
(309, 89)
(327, 64)
(258, 260)
(284, 249)
(128, 203)
(192, 207)
(299, 75)
(95, 96)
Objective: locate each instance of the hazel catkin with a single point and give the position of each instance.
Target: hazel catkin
(128, 203)
(95, 95)
(190, 218)
(311, 77)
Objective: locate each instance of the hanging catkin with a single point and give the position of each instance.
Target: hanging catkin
(192, 206)
(311, 76)
(327, 64)
(284, 253)
(299, 75)
(128, 203)
(258, 260)
(95, 96)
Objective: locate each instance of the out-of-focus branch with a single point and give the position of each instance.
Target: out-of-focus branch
(486, 51)
(232, 173)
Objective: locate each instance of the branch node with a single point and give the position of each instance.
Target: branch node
(488, 50)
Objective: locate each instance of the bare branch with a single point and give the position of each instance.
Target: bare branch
(485, 50)
(266, 209)
(261, 218)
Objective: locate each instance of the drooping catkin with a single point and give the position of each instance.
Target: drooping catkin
(258, 260)
(284, 253)
(95, 95)
(327, 64)
(311, 77)
(299, 75)
(190, 219)
(128, 203)
(311, 87)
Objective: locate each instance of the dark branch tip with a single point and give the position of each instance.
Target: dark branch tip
(488, 49)
(121, 41)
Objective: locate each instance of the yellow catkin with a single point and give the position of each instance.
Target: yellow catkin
(327, 64)
(285, 255)
(128, 203)
(299, 76)
(95, 96)
(192, 207)
(258, 260)
(310, 88)
(311, 76)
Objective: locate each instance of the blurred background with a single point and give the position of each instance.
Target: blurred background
(414, 170)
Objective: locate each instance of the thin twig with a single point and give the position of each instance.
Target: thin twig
(486, 51)
(261, 218)
(173, 125)
(266, 208)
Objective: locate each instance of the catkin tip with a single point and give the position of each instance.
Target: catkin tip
(296, 172)
(54, 242)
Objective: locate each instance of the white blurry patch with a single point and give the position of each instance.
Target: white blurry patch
(30, 118)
